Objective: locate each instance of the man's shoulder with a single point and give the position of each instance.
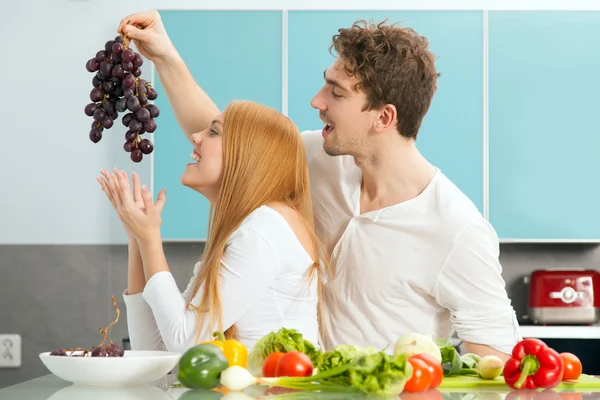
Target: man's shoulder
(456, 209)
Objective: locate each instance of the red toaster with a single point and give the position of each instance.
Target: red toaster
(564, 296)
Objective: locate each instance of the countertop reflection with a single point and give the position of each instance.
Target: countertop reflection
(50, 387)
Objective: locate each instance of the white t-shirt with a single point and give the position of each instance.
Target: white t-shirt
(427, 265)
(264, 287)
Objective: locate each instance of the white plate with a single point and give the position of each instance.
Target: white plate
(134, 368)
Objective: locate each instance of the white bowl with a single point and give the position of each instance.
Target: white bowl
(134, 368)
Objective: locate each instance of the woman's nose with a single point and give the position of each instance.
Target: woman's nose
(196, 138)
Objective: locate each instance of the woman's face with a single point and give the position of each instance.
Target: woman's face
(205, 174)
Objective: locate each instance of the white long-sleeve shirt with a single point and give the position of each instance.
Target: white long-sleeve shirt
(264, 286)
(427, 265)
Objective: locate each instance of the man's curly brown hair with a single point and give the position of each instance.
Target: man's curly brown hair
(393, 65)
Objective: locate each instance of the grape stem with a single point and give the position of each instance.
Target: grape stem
(104, 331)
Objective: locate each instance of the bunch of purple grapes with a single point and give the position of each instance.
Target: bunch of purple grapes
(118, 88)
(112, 350)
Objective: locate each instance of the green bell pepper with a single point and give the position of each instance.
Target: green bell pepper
(200, 367)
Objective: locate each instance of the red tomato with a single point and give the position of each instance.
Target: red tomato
(294, 363)
(421, 376)
(437, 372)
(270, 365)
(573, 367)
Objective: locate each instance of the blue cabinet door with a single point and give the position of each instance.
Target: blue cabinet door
(451, 135)
(544, 113)
(233, 55)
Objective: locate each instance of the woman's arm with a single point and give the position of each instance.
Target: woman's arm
(135, 270)
(248, 268)
(142, 328)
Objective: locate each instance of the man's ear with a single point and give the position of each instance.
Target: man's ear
(387, 118)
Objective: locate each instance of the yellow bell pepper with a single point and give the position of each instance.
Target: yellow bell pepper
(235, 352)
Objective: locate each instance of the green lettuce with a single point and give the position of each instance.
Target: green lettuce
(451, 361)
(380, 374)
(284, 340)
(341, 355)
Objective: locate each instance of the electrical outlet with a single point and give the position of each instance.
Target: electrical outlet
(10, 351)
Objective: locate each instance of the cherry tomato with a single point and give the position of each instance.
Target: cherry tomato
(435, 367)
(294, 363)
(573, 366)
(270, 365)
(421, 376)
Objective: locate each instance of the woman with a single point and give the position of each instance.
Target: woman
(260, 264)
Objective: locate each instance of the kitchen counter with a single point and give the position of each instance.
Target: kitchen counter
(53, 388)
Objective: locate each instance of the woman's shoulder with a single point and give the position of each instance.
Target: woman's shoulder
(278, 224)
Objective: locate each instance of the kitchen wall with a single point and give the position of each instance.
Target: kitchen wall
(62, 252)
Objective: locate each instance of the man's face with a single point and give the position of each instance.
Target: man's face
(340, 107)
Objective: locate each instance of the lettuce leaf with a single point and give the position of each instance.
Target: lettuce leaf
(341, 355)
(284, 340)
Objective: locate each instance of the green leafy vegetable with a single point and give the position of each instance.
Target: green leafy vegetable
(284, 340)
(342, 354)
(377, 373)
(451, 362)
(470, 360)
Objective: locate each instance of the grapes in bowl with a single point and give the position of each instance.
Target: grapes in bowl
(108, 363)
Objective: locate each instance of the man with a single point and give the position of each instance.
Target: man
(410, 252)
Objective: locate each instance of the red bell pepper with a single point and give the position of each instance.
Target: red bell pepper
(533, 365)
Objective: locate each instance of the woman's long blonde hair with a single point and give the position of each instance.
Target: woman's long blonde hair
(265, 162)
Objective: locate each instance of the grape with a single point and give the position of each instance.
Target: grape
(150, 125)
(99, 114)
(121, 104)
(128, 147)
(152, 95)
(114, 350)
(128, 55)
(133, 103)
(128, 80)
(96, 95)
(142, 114)
(117, 48)
(119, 88)
(99, 352)
(95, 135)
(108, 46)
(58, 352)
(153, 110)
(117, 71)
(106, 68)
(135, 125)
(137, 60)
(90, 108)
(92, 65)
(107, 122)
(127, 118)
(127, 65)
(130, 136)
(108, 107)
(101, 55)
(146, 146)
(108, 86)
(136, 155)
